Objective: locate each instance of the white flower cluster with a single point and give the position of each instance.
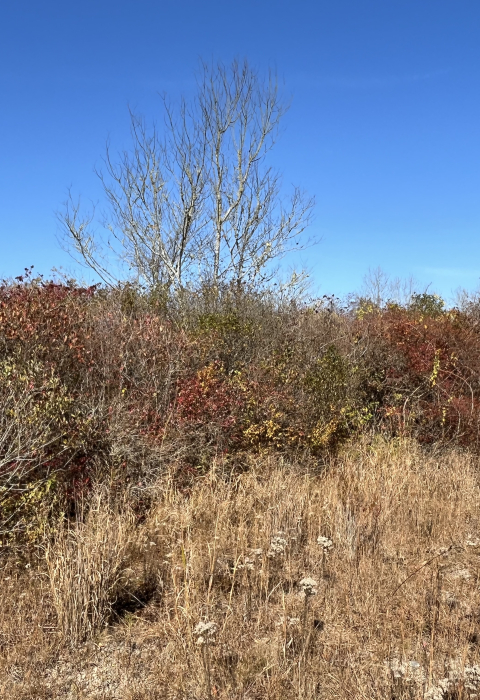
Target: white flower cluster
(205, 632)
(460, 573)
(439, 691)
(289, 621)
(412, 671)
(472, 680)
(325, 543)
(448, 687)
(308, 586)
(407, 670)
(472, 542)
(248, 564)
(449, 599)
(278, 546)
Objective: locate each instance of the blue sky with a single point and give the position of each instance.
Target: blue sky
(384, 127)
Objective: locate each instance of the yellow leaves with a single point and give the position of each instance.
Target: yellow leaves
(436, 368)
(323, 432)
(271, 432)
(391, 411)
(444, 414)
(365, 307)
(34, 505)
(36, 399)
(268, 430)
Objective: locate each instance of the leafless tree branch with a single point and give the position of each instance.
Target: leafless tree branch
(199, 202)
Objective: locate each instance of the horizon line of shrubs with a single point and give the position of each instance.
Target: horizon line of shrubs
(126, 383)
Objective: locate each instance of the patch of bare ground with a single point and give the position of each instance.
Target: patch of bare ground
(357, 581)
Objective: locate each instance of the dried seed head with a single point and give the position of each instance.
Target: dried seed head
(308, 586)
(325, 542)
(278, 545)
(248, 564)
(289, 621)
(408, 670)
(205, 632)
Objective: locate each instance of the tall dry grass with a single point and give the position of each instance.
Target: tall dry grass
(391, 609)
(86, 566)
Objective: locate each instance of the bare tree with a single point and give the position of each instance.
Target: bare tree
(198, 203)
(380, 288)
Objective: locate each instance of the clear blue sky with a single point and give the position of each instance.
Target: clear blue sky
(384, 128)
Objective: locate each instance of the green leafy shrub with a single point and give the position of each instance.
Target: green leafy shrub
(427, 304)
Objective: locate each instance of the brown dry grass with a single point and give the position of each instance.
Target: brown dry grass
(86, 564)
(400, 585)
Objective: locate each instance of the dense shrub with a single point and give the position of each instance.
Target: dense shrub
(430, 367)
(97, 381)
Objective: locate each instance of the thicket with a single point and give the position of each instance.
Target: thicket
(117, 385)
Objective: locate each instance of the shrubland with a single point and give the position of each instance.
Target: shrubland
(304, 476)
